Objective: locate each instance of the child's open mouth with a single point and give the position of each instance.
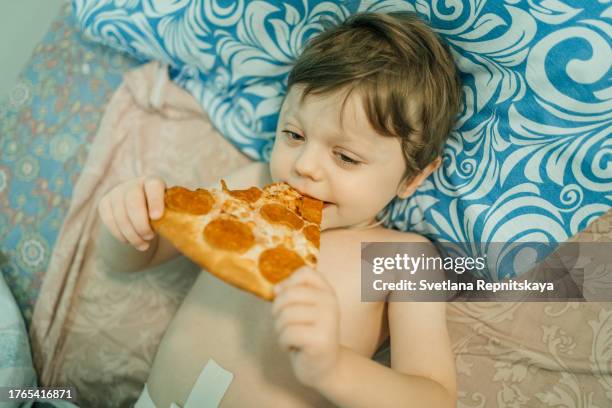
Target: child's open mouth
(326, 204)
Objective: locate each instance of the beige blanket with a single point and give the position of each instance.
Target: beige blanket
(93, 328)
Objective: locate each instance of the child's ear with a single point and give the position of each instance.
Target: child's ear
(408, 186)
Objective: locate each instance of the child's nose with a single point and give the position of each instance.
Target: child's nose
(308, 164)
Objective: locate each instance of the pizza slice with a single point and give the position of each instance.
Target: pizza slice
(251, 239)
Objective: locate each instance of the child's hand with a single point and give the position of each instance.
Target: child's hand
(126, 210)
(307, 320)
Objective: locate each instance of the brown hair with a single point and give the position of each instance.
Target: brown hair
(404, 73)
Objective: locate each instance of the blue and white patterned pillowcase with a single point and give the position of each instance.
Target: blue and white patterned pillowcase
(530, 157)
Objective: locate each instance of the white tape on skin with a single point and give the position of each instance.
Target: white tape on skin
(210, 387)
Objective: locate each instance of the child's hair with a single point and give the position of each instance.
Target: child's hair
(404, 73)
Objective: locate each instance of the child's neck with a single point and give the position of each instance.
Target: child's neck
(372, 223)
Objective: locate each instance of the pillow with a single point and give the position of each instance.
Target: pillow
(529, 159)
(16, 369)
(47, 122)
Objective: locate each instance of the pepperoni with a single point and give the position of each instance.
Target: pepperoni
(278, 263)
(313, 234)
(312, 209)
(277, 214)
(197, 202)
(250, 196)
(229, 234)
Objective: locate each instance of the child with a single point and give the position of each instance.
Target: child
(370, 104)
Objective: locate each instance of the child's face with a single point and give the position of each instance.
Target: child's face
(344, 163)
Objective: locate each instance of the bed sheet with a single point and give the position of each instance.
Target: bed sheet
(46, 125)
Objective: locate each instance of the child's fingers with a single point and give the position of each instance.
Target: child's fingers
(123, 222)
(295, 337)
(154, 190)
(136, 207)
(297, 295)
(295, 314)
(305, 276)
(106, 215)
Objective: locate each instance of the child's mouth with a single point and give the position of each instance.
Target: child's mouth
(326, 204)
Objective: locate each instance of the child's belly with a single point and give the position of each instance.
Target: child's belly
(236, 329)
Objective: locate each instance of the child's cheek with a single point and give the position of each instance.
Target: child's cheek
(276, 159)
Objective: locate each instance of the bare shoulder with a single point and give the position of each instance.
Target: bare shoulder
(341, 248)
(382, 234)
(379, 234)
(345, 240)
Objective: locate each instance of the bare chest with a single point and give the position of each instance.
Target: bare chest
(236, 329)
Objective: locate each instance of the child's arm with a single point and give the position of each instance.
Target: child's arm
(307, 321)
(121, 256)
(422, 373)
(125, 241)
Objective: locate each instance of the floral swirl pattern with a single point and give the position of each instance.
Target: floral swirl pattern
(529, 159)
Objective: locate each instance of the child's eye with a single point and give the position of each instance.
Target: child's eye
(346, 159)
(293, 136)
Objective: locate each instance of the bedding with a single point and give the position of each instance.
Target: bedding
(160, 290)
(47, 123)
(16, 369)
(533, 354)
(529, 159)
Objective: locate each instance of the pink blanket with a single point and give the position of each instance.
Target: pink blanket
(95, 329)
